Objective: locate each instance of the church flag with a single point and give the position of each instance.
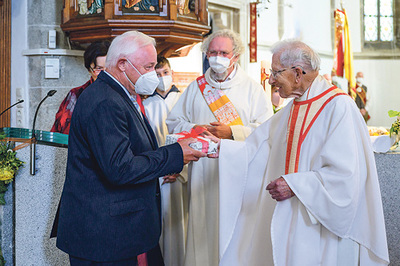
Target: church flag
(343, 55)
(253, 32)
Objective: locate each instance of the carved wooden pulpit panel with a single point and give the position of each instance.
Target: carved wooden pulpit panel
(173, 23)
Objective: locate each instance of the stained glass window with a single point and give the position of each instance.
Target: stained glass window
(378, 20)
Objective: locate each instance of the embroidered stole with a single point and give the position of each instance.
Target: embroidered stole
(302, 118)
(219, 104)
(362, 94)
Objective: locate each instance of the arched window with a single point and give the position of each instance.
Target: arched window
(379, 18)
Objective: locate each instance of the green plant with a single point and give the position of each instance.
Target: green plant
(395, 128)
(9, 165)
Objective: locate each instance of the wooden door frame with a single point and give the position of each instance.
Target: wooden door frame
(5, 60)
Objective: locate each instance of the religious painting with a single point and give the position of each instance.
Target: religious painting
(185, 7)
(94, 7)
(140, 6)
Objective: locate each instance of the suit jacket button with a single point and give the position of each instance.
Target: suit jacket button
(157, 194)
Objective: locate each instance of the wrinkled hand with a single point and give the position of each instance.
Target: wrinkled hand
(169, 178)
(219, 130)
(190, 154)
(210, 136)
(279, 189)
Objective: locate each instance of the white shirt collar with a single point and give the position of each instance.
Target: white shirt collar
(125, 90)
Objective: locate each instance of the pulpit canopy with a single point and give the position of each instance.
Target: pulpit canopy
(173, 23)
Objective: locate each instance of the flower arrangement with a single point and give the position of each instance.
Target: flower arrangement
(396, 125)
(9, 165)
(395, 128)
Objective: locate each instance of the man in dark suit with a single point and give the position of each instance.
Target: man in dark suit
(110, 204)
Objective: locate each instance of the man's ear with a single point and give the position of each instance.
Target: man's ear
(299, 72)
(122, 64)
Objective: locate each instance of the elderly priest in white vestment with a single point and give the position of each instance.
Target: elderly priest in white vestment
(315, 159)
(229, 104)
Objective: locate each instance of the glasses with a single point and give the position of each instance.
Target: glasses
(216, 53)
(275, 73)
(97, 69)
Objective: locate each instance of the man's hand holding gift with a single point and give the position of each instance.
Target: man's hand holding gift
(201, 142)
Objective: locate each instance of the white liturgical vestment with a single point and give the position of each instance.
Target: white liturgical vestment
(173, 195)
(157, 109)
(250, 102)
(336, 215)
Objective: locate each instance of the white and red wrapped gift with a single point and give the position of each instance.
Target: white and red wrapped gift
(202, 144)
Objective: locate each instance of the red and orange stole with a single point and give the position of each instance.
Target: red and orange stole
(219, 103)
(302, 118)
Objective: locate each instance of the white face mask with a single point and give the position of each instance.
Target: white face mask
(146, 83)
(219, 64)
(360, 80)
(165, 83)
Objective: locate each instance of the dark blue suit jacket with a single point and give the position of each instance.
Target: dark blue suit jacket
(110, 205)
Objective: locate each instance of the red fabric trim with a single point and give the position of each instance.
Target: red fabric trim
(304, 135)
(316, 97)
(301, 138)
(319, 112)
(294, 117)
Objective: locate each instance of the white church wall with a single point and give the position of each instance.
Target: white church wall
(382, 79)
(310, 21)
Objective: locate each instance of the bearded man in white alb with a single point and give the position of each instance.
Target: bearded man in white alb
(315, 158)
(230, 105)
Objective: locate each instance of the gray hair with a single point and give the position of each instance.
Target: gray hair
(296, 53)
(127, 44)
(238, 47)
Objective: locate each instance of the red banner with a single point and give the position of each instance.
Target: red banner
(343, 55)
(253, 32)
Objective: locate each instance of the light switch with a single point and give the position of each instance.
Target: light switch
(52, 68)
(52, 39)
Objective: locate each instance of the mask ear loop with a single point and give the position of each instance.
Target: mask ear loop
(130, 81)
(127, 60)
(230, 65)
